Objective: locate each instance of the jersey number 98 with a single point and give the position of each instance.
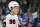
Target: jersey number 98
(12, 21)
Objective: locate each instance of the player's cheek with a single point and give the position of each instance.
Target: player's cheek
(12, 10)
(16, 10)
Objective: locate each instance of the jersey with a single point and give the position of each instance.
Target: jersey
(12, 21)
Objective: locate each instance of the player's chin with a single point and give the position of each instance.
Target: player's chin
(16, 13)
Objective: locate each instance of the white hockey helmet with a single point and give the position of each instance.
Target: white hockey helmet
(12, 4)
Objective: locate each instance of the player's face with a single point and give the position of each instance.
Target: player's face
(15, 10)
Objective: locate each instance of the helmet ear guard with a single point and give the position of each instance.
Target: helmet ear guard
(11, 8)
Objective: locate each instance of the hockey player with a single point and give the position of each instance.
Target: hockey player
(12, 18)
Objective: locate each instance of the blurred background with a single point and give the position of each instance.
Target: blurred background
(29, 15)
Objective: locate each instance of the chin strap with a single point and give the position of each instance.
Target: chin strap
(11, 13)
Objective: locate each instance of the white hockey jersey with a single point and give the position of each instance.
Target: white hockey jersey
(12, 21)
